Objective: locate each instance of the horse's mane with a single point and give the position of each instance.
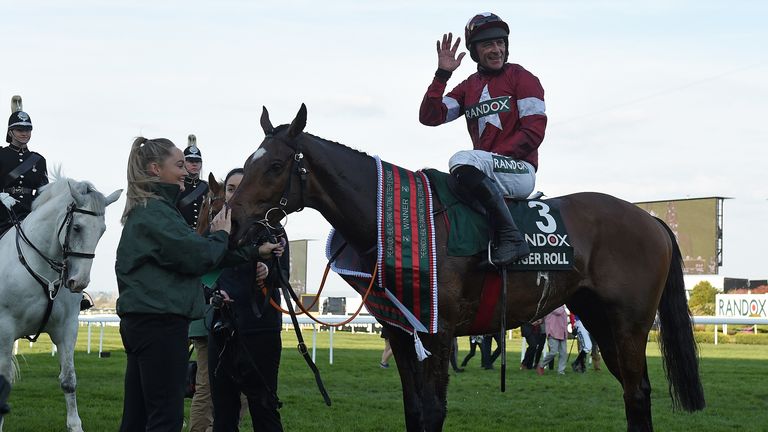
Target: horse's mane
(60, 185)
(284, 126)
(340, 144)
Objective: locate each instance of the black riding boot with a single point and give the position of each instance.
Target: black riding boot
(579, 364)
(509, 243)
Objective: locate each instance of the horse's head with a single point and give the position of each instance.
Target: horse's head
(212, 204)
(275, 176)
(78, 211)
(80, 231)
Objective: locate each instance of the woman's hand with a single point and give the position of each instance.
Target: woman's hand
(267, 250)
(262, 271)
(222, 221)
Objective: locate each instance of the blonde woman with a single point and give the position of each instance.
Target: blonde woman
(159, 263)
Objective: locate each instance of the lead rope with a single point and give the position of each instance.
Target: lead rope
(302, 347)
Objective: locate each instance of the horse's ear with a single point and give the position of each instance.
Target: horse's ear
(265, 123)
(298, 124)
(76, 195)
(114, 196)
(214, 184)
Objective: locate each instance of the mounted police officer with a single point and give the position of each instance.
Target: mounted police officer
(22, 172)
(191, 199)
(504, 108)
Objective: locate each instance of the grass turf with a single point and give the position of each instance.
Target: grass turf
(368, 398)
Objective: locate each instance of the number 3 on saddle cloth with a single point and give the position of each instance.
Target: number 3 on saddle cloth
(406, 255)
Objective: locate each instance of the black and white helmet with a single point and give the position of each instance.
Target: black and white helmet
(192, 153)
(19, 119)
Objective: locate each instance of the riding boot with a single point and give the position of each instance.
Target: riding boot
(578, 364)
(509, 244)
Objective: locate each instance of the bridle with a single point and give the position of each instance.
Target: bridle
(297, 167)
(209, 201)
(51, 288)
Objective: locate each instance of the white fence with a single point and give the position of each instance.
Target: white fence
(361, 320)
(724, 321)
(103, 320)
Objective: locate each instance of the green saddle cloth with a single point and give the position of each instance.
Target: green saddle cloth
(469, 229)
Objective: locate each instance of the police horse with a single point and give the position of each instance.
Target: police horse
(627, 266)
(45, 266)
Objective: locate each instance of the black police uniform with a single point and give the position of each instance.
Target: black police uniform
(191, 200)
(190, 208)
(25, 185)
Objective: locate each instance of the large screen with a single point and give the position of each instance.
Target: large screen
(298, 279)
(697, 224)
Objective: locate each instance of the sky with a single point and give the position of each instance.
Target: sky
(645, 101)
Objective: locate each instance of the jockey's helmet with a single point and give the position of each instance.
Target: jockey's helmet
(192, 153)
(18, 120)
(482, 27)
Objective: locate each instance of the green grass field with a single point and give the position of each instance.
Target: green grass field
(368, 398)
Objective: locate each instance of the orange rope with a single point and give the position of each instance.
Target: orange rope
(317, 296)
(305, 311)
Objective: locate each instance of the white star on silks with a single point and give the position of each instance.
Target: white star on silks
(492, 119)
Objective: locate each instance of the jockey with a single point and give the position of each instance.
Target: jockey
(22, 172)
(191, 199)
(504, 108)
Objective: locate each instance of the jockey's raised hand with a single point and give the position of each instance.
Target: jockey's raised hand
(446, 54)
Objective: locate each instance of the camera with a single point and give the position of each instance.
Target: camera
(223, 325)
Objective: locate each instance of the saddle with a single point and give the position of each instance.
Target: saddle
(538, 219)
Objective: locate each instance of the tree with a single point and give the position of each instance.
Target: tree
(702, 301)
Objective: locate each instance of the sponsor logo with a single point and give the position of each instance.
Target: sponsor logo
(741, 305)
(506, 164)
(554, 239)
(488, 107)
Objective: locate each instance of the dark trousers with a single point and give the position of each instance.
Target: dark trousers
(247, 364)
(535, 341)
(472, 349)
(156, 347)
(486, 358)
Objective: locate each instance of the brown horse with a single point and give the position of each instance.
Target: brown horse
(627, 266)
(212, 204)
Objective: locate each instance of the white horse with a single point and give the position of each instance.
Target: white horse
(57, 241)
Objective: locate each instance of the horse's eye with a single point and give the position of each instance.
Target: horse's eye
(276, 166)
(76, 228)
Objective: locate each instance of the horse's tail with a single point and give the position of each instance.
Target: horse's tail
(15, 370)
(678, 346)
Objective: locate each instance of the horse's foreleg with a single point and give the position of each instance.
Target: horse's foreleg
(425, 383)
(411, 378)
(65, 344)
(6, 359)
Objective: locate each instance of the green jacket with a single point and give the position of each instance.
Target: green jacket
(160, 259)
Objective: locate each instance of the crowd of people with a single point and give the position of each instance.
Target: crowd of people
(161, 259)
(553, 331)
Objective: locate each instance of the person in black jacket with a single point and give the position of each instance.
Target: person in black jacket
(244, 342)
(22, 171)
(190, 201)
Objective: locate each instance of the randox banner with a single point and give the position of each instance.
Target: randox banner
(741, 305)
